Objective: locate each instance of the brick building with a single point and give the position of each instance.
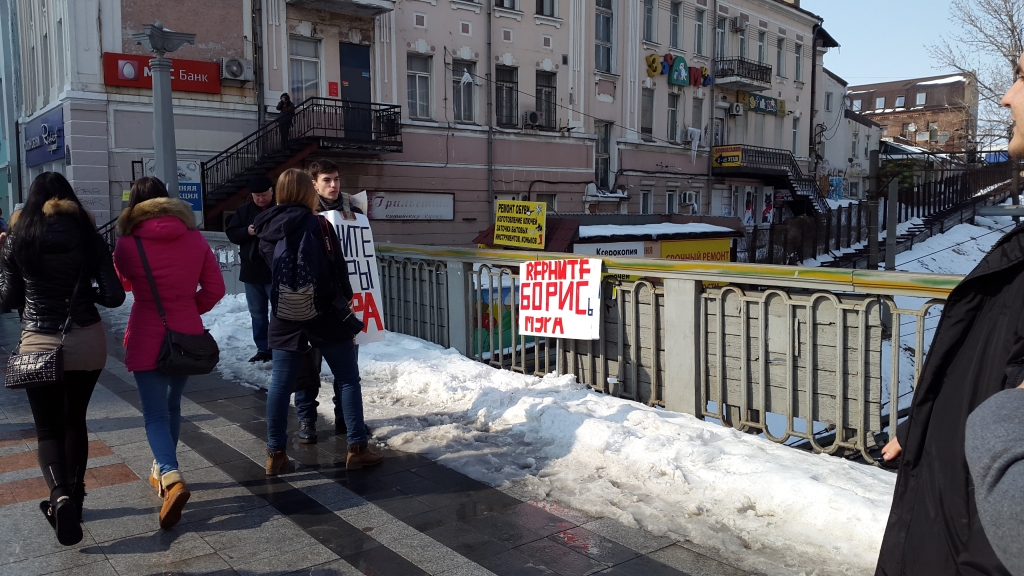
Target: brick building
(938, 113)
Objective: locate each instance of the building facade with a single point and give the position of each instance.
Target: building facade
(937, 113)
(437, 108)
(844, 140)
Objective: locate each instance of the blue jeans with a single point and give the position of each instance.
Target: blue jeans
(161, 409)
(342, 360)
(306, 401)
(257, 296)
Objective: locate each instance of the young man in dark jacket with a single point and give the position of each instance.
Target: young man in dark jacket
(255, 273)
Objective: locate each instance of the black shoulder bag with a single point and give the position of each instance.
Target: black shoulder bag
(40, 368)
(180, 354)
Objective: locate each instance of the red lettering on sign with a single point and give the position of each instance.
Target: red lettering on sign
(186, 75)
(363, 302)
(579, 286)
(565, 300)
(556, 326)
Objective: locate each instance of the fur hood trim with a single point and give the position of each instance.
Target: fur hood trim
(155, 208)
(56, 206)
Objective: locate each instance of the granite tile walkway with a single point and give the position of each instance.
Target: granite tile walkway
(407, 517)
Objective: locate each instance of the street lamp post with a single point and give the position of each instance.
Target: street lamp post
(160, 41)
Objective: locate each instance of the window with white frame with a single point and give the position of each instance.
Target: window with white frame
(673, 117)
(507, 4)
(551, 200)
(646, 201)
(858, 105)
(418, 80)
(697, 114)
(780, 57)
(649, 20)
(303, 68)
(603, 36)
(721, 47)
(675, 30)
(647, 114)
(463, 91)
(901, 101)
(743, 42)
(546, 8)
(762, 47)
(547, 99)
(698, 32)
(796, 136)
(506, 95)
(798, 65)
(828, 101)
(880, 103)
(672, 201)
(921, 99)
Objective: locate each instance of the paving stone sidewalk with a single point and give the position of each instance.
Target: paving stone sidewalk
(407, 517)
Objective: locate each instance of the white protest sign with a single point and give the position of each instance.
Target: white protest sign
(560, 298)
(361, 257)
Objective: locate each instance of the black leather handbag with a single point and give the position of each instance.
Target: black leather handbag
(40, 368)
(181, 354)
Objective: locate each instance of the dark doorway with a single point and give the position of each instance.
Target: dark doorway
(355, 91)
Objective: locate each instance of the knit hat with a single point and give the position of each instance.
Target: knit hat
(258, 184)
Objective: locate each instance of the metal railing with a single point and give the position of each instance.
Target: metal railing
(359, 126)
(776, 159)
(789, 352)
(744, 68)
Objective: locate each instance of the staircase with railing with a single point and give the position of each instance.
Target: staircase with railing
(771, 161)
(318, 123)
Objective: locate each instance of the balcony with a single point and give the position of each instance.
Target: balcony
(742, 74)
(363, 8)
(776, 167)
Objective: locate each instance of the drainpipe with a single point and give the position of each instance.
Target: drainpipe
(490, 115)
(257, 66)
(711, 144)
(814, 100)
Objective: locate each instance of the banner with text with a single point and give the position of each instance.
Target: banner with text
(520, 224)
(361, 258)
(560, 298)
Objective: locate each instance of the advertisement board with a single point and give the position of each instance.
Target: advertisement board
(619, 249)
(361, 257)
(44, 138)
(412, 206)
(133, 71)
(560, 298)
(520, 224)
(712, 250)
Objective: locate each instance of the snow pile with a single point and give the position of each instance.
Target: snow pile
(654, 230)
(947, 80)
(762, 506)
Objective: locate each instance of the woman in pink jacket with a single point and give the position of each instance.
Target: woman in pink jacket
(181, 261)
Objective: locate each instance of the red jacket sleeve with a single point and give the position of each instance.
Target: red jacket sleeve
(119, 264)
(211, 283)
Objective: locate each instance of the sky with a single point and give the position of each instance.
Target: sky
(882, 40)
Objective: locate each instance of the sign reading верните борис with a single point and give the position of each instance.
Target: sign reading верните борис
(560, 298)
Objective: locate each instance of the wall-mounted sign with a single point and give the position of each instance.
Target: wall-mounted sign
(561, 298)
(727, 156)
(619, 249)
(412, 206)
(44, 138)
(679, 74)
(186, 75)
(712, 250)
(192, 192)
(188, 170)
(520, 224)
(762, 104)
(332, 89)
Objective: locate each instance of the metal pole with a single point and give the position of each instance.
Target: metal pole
(164, 147)
(890, 225)
(873, 168)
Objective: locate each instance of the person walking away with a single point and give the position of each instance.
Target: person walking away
(327, 181)
(977, 351)
(52, 255)
(284, 121)
(296, 243)
(181, 261)
(255, 274)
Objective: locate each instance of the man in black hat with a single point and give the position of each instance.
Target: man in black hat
(255, 273)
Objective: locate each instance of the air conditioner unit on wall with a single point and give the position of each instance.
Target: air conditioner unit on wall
(531, 118)
(235, 70)
(736, 109)
(736, 24)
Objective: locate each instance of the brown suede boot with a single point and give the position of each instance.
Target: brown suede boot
(277, 461)
(176, 494)
(154, 479)
(360, 455)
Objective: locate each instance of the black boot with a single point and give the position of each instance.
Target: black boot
(69, 530)
(78, 496)
(44, 507)
(307, 432)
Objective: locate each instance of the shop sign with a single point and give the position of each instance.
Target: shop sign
(44, 138)
(186, 75)
(412, 206)
(762, 104)
(520, 224)
(679, 74)
(192, 192)
(727, 156)
(361, 257)
(712, 250)
(560, 298)
(619, 249)
(332, 89)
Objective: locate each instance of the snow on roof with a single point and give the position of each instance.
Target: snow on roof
(653, 230)
(947, 80)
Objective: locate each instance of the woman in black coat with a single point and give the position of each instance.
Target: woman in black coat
(978, 350)
(51, 249)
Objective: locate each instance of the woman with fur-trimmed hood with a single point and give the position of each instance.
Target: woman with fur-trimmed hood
(181, 261)
(52, 254)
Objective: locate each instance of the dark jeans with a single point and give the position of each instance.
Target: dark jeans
(284, 127)
(306, 402)
(257, 296)
(342, 360)
(59, 414)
